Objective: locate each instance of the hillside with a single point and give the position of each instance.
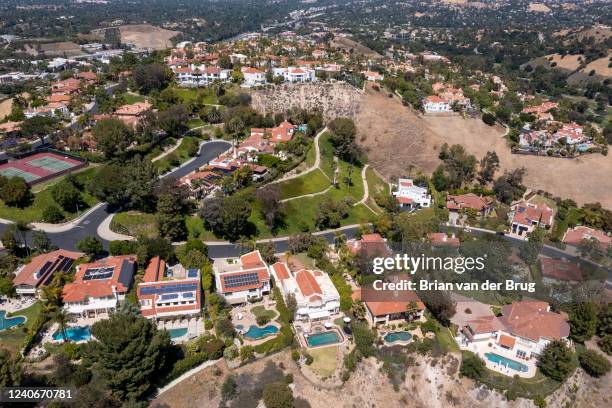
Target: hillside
(396, 138)
(147, 36)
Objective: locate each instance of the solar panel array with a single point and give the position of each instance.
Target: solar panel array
(178, 287)
(169, 296)
(234, 281)
(104, 272)
(192, 273)
(187, 294)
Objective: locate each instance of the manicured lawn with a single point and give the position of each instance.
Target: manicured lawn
(312, 182)
(177, 157)
(191, 94)
(324, 360)
(13, 339)
(193, 123)
(43, 199)
(131, 98)
(327, 155)
(134, 223)
(262, 311)
(196, 230)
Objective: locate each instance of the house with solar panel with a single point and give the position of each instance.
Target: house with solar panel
(98, 287)
(244, 279)
(39, 272)
(169, 291)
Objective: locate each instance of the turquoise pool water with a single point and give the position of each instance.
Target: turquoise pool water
(74, 333)
(8, 322)
(398, 336)
(504, 361)
(239, 327)
(176, 333)
(255, 332)
(322, 339)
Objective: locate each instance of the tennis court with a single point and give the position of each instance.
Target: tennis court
(40, 167)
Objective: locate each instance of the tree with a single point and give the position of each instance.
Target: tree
(90, 245)
(66, 195)
(594, 363)
(583, 321)
(9, 241)
(605, 343)
(267, 251)
(472, 366)
(15, 192)
(10, 370)
(440, 305)
(278, 395)
(509, 186)
(227, 216)
(112, 137)
(291, 304)
(174, 120)
(488, 166)
(459, 166)
(150, 76)
(61, 318)
(169, 218)
(271, 206)
(128, 352)
(52, 214)
(38, 126)
(343, 139)
(41, 242)
(557, 361)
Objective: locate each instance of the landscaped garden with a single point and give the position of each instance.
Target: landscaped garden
(13, 339)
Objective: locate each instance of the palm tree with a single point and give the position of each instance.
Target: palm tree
(23, 227)
(61, 317)
(412, 308)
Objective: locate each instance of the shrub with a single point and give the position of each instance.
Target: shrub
(472, 366)
(308, 357)
(489, 119)
(230, 352)
(295, 354)
(605, 342)
(262, 320)
(52, 215)
(430, 327)
(182, 366)
(278, 395)
(228, 389)
(557, 361)
(247, 353)
(594, 363)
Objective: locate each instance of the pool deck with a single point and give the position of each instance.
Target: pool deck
(194, 326)
(15, 305)
(482, 347)
(302, 338)
(242, 315)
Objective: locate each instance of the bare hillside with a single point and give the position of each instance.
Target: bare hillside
(399, 141)
(334, 100)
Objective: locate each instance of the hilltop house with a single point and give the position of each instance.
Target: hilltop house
(523, 329)
(316, 296)
(31, 277)
(295, 74)
(393, 311)
(411, 196)
(370, 244)
(169, 291)
(98, 287)
(525, 217)
(480, 204)
(441, 239)
(574, 236)
(253, 76)
(200, 75)
(240, 280)
(560, 270)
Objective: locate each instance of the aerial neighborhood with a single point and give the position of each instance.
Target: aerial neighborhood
(200, 203)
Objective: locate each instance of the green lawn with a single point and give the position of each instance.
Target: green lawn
(262, 311)
(43, 199)
(193, 123)
(313, 182)
(376, 185)
(327, 155)
(196, 230)
(188, 95)
(13, 339)
(131, 98)
(324, 360)
(134, 223)
(446, 341)
(177, 157)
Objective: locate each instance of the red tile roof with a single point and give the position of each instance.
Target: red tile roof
(123, 273)
(532, 320)
(441, 239)
(307, 283)
(560, 269)
(470, 200)
(27, 275)
(526, 214)
(383, 308)
(281, 271)
(155, 270)
(574, 236)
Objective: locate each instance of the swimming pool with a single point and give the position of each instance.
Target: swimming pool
(323, 339)
(255, 332)
(392, 337)
(8, 322)
(504, 361)
(176, 333)
(74, 333)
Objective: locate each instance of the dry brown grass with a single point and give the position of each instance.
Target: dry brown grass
(5, 108)
(539, 7)
(396, 138)
(347, 44)
(147, 36)
(600, 66)
(569, 62)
